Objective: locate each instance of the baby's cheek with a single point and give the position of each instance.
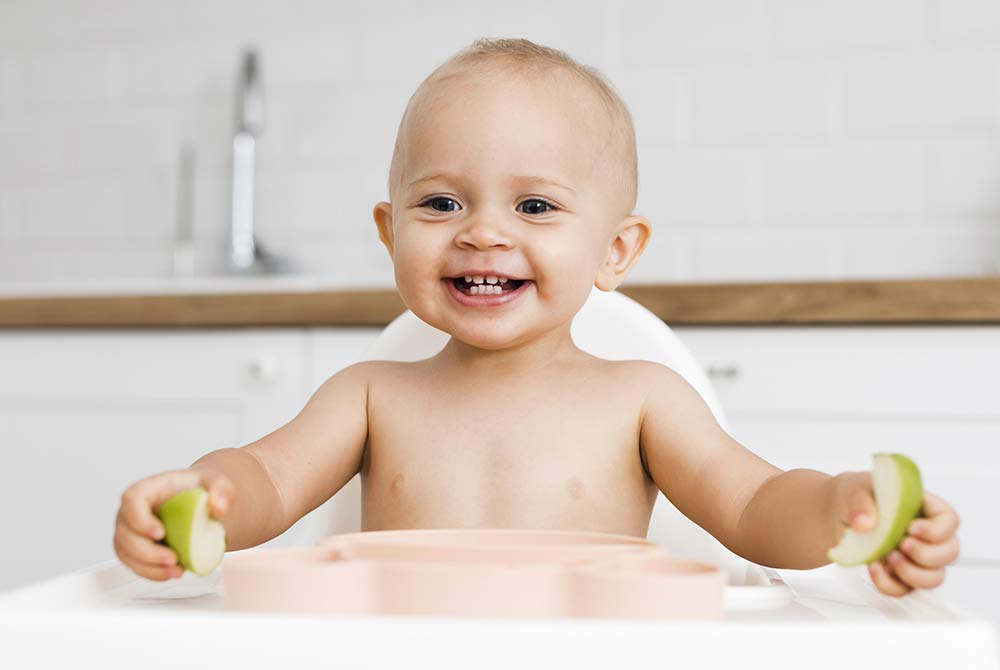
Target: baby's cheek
(413, 269)
(408, 285)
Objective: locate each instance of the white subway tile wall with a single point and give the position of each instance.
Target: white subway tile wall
(781, 139)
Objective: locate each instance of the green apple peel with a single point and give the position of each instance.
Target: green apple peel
(198, 540)
(899, 495)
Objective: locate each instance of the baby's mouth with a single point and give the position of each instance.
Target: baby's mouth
(503, 285)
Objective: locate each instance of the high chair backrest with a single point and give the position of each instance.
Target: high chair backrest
(610, 325)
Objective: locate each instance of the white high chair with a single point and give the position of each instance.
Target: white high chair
(610, 325)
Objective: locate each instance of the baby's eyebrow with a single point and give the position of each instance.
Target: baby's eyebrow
(541, 180)
(532, 179)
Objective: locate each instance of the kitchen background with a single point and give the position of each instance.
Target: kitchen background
(779, 139)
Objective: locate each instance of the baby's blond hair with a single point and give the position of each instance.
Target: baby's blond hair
(492, 56)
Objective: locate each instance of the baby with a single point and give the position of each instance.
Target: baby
(511, 187)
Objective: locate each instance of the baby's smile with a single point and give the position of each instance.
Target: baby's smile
(486, 290)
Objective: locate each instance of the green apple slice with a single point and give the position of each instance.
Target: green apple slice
(199, 541)
(899, 496)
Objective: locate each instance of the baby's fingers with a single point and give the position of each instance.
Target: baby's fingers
(141, 548)
(884, 579)
(914, 575)
(939, 520)
(141, 499)
(145, 557)
(929, 555)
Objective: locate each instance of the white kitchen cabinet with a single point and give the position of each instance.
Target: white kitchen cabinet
(829, 397)
(85, 413)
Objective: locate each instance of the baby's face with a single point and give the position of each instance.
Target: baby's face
(508, 176)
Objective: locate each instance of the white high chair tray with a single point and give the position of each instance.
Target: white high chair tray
(823, 618)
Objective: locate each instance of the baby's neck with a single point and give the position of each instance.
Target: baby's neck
(521, 360)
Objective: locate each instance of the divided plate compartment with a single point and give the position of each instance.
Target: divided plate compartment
(497, 573)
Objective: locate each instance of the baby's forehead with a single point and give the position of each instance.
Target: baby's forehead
(575, 99)
(561, 116)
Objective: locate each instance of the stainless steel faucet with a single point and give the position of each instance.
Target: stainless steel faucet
(245, 252)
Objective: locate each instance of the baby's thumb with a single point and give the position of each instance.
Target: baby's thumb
(862, 512)
(220, 491)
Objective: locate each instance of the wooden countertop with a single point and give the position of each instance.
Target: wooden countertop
(898, 301)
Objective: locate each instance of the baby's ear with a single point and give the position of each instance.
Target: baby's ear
(631, 238)
(383, 221)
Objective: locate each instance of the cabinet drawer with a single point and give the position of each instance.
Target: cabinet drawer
(202, 364)
(935, 371)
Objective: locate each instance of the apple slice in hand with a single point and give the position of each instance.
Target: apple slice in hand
(899, 495)
(198, 540)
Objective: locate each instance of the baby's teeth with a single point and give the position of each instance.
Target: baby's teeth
(477, 278)
(484, 289)
(503, 280)
(468, 279)
(491, 279)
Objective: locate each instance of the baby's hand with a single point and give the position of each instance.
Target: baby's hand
(137, 529)
(919, 559)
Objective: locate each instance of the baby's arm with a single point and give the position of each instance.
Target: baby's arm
(290, 472)
(720, 485)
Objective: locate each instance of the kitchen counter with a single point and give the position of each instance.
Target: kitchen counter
(312, 301)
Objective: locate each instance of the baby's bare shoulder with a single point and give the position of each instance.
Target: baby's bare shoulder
(357, 386)
(380, 373)
(642, 381)
(378, 369)
(636, 372)
(632, 381)
(368, 371)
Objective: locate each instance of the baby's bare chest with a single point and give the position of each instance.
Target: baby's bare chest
(545, 455)
(501, 434)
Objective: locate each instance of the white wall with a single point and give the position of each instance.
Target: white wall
(781, 139)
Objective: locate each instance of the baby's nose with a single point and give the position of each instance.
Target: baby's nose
(483, 236)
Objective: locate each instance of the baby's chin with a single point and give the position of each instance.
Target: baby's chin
(488, 334)
(488, 343)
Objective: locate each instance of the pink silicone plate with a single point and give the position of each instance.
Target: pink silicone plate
(475, 572)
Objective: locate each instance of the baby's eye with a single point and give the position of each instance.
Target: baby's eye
(534, 208)
(438, 199)
(543, 202)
